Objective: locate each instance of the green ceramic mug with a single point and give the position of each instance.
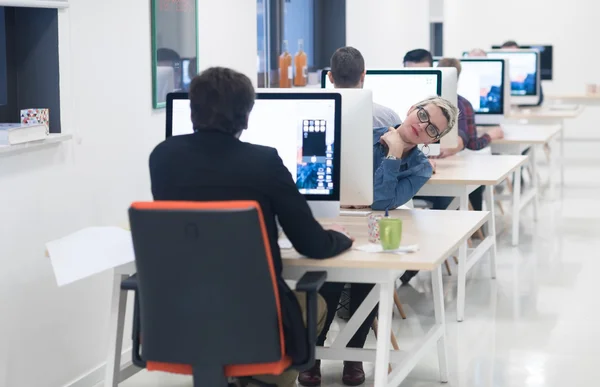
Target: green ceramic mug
(390, 233)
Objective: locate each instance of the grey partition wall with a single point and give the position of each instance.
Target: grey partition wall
(32, 63)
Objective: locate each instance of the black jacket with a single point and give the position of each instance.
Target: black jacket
(214, 166)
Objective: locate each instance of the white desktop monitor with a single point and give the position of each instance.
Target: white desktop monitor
(482, 82)
(400, 89)
(546, 61)
(356, 183)
(305, 128)
(185, 74)
(450, 93)
(524, 69)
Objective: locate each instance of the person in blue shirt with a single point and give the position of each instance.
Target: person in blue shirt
(400, 168)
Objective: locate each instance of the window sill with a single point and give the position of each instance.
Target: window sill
(52, 139)
(35, 3)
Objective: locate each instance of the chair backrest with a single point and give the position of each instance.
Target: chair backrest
(207, 286)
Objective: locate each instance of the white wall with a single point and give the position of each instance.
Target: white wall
(436, 11)
(571, 27)
(52, 335)
(384, 30)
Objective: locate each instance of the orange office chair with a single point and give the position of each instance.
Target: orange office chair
(207, 299)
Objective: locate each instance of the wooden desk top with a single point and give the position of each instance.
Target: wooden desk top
(574, 97)
(438, 234)
(517, 134)
(473, 169)
(543, 113)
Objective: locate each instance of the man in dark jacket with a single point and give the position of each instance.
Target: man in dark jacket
(212, 164)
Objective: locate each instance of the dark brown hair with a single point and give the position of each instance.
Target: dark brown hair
(347, 66)
(451, 62)
(221, 99)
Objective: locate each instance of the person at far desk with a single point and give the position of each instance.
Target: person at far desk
(477, 53)
(348, 72)
(212, 164)
(418, 58)
(468, 138)
(401, 169)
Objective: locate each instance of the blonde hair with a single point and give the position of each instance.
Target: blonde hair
(451, 62)
(449, 110)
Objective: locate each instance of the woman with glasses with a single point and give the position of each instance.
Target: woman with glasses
(400, 170)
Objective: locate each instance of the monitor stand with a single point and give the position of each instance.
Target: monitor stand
(324, 209)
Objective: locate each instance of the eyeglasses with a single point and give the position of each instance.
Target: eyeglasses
(431, 130)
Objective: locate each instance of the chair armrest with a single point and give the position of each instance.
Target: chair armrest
(130, 283)
(311, 281)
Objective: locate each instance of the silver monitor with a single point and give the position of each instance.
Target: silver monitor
(524, 69)
(356, 185)
(484, 83)
(400, 89)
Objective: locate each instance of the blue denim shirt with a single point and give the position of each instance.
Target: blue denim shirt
(395, 182)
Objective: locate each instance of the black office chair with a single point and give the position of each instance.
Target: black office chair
(207, 299)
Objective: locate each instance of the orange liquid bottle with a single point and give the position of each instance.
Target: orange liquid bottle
(301, 65)
(285, 67)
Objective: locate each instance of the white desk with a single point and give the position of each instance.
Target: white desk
(575, 98)
(518, 138)
(457, 177)
(438, 233)
(545, 115)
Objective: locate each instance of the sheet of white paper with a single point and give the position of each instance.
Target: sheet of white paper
(285, 243)
(376, 248)
(89, 251)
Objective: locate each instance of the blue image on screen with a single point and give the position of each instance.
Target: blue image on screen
(492, 101)
(308, 175)
(526, 87)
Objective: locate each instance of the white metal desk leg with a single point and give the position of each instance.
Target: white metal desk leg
(536, 183)
(516, 207)
(562, 158)
(118, 306)
(489, 200)
(551, 184)
(440, 319)
(462, 266)
(382, 356)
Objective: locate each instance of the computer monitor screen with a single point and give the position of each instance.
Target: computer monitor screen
(399, 89)
(523, 67)
(185, 74)
(546, 59)
(304, 128)
(481, 82)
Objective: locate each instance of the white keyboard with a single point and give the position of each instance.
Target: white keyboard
(355, 213)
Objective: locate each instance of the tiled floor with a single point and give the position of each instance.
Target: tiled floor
(535, 325)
